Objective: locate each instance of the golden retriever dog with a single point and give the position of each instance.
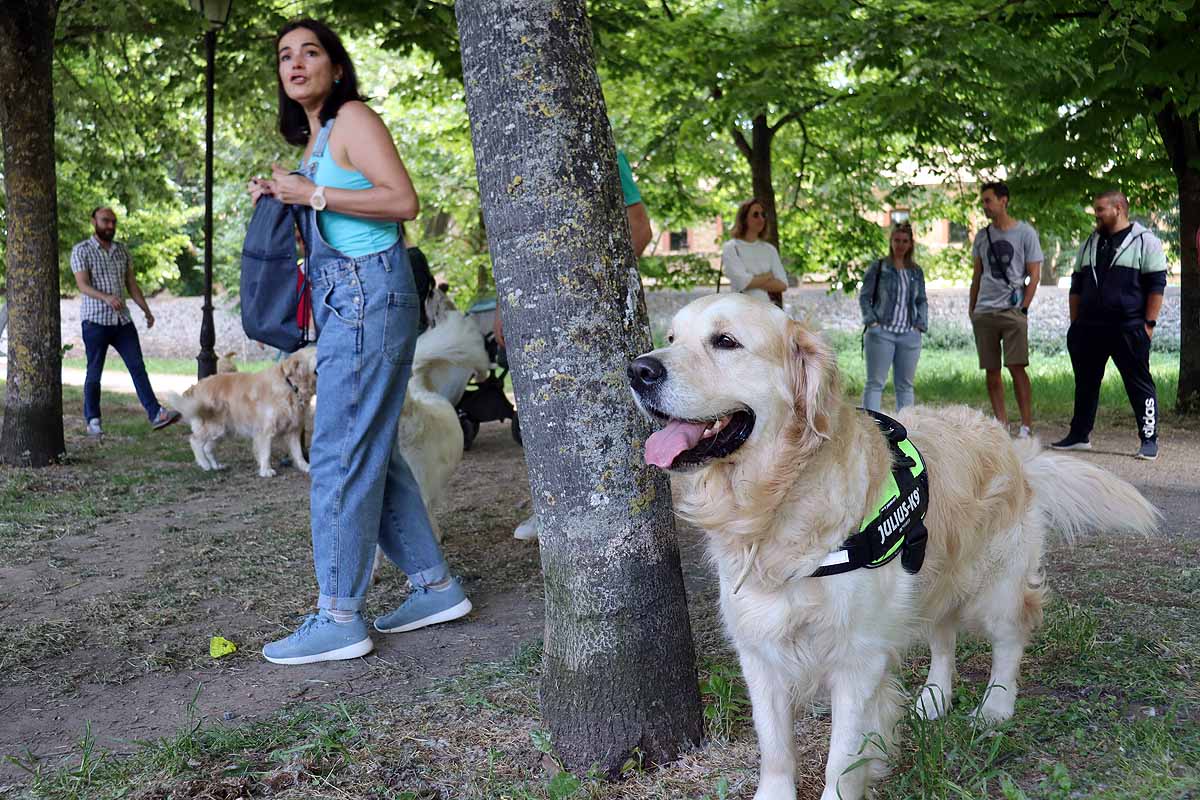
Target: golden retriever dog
(778, 469)
(227, 363)
(258, 405)
(429, 433)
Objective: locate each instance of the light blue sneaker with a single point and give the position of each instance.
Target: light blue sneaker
(319, 638)
(426, 607)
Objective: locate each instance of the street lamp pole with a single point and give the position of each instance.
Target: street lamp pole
(207, 360)
(216, 13)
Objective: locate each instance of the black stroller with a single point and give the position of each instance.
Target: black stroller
(485, 401)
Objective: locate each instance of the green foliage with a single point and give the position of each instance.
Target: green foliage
(953, 263)
(726, 702)
(678, 271)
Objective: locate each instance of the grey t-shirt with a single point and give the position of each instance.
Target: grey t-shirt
(1012, 250)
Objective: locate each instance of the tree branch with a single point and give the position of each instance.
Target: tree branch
(740, 140)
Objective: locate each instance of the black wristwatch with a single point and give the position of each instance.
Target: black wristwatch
(1025, 310)
(1150, 323)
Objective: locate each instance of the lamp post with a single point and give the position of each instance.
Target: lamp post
(216, 13)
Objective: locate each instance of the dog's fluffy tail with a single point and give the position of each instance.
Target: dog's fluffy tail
(187, 405)
(455, 342)
(1075, 496)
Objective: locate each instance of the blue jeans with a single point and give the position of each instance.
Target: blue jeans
(886, 351)
(363, 492)
(96, 340)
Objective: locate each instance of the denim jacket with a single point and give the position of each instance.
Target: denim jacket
(880, 284)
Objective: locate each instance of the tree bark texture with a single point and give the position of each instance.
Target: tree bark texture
(620, 677)
(1181, 135)
(33, 423)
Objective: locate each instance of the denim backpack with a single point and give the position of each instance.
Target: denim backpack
(275, 304)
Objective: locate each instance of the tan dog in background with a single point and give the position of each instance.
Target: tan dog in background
(258, 405)
(778, 469)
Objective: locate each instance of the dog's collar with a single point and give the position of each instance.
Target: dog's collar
(897, 527)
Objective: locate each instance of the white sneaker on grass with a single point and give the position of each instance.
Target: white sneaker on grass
(93, 427)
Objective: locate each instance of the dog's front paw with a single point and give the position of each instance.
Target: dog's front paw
(776, 788)
(932, 703)
(266, 472)
(303, 466)
(996, 707)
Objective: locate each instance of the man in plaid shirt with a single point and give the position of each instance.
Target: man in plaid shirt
(103, 273)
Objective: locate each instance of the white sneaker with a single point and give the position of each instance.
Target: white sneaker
(1024, 433)
(93, 427)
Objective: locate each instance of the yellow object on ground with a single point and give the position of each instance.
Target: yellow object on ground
(219, 646)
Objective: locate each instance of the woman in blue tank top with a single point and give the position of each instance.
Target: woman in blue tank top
(355, 191)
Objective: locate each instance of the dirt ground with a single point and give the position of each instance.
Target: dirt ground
(109, 624)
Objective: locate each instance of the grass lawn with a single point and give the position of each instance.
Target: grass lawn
(163, 366)
(1109, 707)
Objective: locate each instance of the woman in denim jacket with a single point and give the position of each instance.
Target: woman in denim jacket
(895, 314)
(354, 191)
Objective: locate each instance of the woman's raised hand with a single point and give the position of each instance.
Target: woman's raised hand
(258, 187)
(289, 187)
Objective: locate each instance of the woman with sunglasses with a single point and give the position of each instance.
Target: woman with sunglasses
(749, 261)
(895, 314)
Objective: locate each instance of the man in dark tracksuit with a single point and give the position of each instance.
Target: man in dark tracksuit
(1116, 294)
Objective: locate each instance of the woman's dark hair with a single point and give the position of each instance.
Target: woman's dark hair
(293, 122)
(743, 212)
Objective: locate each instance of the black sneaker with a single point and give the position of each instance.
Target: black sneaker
(166, 416)
(1148, 451)
(1072, 442)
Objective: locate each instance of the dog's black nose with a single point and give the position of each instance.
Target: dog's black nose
(645, 371)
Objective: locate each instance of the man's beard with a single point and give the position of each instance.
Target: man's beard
(105, 235)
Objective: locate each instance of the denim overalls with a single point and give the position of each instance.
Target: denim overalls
(363, 493)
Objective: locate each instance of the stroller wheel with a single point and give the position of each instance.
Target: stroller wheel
(469, 428)
(516, 430)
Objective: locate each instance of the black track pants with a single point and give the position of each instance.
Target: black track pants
(1091, 345)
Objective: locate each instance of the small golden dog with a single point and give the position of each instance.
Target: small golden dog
(258, 405)
(227, 363)
(778, 469)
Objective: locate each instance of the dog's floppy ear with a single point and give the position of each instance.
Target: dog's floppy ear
(815, 386)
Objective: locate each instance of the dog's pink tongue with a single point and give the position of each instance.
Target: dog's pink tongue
(664, 446)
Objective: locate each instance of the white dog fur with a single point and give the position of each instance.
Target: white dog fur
(258, 405)
(805, 477)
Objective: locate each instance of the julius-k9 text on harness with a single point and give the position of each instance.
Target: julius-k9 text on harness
(897, 526)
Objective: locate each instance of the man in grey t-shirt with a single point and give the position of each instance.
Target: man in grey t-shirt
(1008, 263)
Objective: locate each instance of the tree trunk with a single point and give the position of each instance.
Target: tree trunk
(620, 678)
(1181, 135)
(758, 155)
(33, 421)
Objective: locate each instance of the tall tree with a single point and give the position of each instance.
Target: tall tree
(619, 661)
(33, 424)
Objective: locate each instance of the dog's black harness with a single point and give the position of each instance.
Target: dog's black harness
(898, 524)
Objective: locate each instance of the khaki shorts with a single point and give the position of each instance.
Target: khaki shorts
(994, 327)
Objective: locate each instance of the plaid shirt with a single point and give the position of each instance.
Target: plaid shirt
(107, 268)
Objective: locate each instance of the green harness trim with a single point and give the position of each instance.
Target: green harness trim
(897, 526)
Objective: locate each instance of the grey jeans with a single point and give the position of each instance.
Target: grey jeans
(886, 351)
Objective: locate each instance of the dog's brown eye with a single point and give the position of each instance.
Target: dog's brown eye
(723, 341)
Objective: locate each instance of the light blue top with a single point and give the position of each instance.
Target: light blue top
(353, 236)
